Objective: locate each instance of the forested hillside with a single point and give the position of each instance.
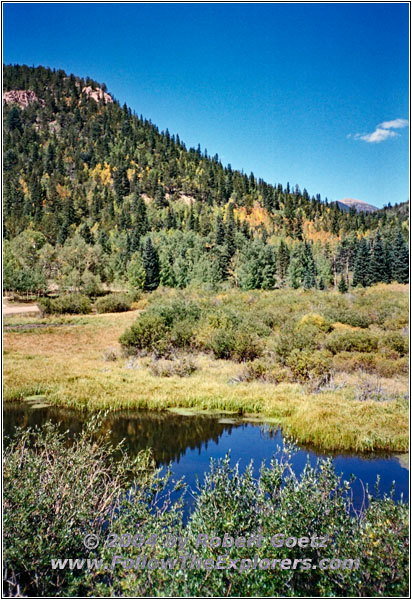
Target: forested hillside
(96, 194)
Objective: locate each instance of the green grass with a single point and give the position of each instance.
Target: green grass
(67, 365)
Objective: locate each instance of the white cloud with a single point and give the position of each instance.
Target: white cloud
(382, 132)
(395, 124)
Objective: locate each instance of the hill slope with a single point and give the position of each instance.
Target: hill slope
(81, 169)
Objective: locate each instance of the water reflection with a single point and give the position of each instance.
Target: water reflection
(189, 442)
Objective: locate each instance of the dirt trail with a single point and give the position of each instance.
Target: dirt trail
(19, 309)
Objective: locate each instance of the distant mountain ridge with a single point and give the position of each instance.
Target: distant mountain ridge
(358, 205)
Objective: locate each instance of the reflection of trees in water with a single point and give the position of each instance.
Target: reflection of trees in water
(168, 435)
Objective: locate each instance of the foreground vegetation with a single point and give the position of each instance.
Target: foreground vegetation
(48, 509)
(331, 369)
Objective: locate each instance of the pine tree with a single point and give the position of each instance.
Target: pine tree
(378, 269)
(220, 231)
(87, 234)
(282, 260)
(151, 266)
(141, 223)
(321, 284)
(361, 274)
(230, 231)
(400, 266)
(342, 285)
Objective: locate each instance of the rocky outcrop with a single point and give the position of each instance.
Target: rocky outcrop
(21, 97)
(97, 94)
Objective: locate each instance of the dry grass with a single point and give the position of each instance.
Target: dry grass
(67, 364)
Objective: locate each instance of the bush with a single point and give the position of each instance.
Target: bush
(396, 342)
(223, 343)
(148, 333)
(76, 304)
(180, 367)
(351, 341)
(113, 303)
(314, 367)
(307, 336)
(262, 370)
(176, 310)
(316, 321)
(348, 317)
(350, 362)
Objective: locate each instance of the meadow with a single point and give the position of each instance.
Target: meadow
(331, 369)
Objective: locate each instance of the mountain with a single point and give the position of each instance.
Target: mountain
(358, 205)
(94, 192)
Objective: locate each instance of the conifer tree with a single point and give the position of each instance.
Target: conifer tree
(220, 231)
(141, 223)
(151, 266)
(378, 268)
(400, 252)
(342, 285)
(361, 271)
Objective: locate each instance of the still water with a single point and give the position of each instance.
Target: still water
(189, 442)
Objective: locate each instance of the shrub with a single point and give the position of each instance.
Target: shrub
(350, 362)
(395, 341)
(182, 367)
(351, 341)
(263, 370)
(305, 337)
(148, 332)
(178, 309)
(71, 303)
(390, 368)
(181, 334)
(223, 343)
(247, 346)
(348, 317)
(314, 367)
(113, 303)
(317, 321)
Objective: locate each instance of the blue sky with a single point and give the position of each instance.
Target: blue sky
(313, 94)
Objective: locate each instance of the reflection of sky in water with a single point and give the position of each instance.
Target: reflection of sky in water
(190, 442)
(253, 441)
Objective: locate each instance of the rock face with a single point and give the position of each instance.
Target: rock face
(21, 97)
(97, 94)
(357, 205)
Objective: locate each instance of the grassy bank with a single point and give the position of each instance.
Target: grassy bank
(363, 407)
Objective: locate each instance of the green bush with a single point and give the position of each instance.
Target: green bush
(306, 336)
(223, 343)
(113, 303)
(148, 333)
(396, 342)
(176, 310)
(247, 346)
(348, 317)
(263, 370)
(352, 341)
(76, 304)
(350, 362)
(314, 367)
(56, 492)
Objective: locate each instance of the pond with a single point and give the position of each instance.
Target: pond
(189, 442)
